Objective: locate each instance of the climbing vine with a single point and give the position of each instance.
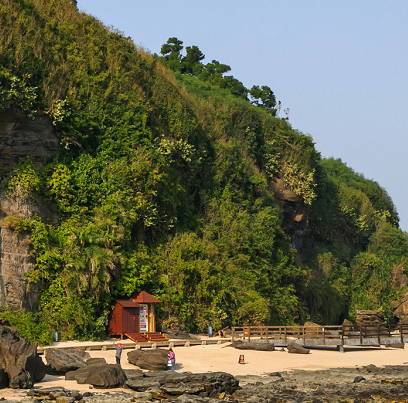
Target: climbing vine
(15, 92)
(24, 181)
(300, 182)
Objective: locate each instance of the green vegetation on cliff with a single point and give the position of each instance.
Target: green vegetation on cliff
(165, 182)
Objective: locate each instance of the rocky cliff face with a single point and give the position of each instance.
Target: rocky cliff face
(21, 137)
(295, 223)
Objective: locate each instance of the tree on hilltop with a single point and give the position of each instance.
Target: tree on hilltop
(263, 97)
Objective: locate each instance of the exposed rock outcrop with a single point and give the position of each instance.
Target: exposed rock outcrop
(368, 317)
(15, 260)
(101, 376)
(401, 308)
(20, 360)
(155, 360)
(21, 137)
(399, 278)
(62, 361)
(170, 384)
(295, 222)
(360, 384)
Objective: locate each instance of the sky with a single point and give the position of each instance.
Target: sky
(340, 67)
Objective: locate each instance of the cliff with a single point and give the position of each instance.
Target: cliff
(21, 137)
(173, 185)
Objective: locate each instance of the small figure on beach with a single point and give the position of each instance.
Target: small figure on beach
(118, 347)
(172, 358)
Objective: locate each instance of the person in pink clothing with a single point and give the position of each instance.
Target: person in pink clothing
(172, 358)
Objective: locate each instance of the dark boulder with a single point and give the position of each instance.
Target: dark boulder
(154, 359)
(134, 373)
(106, 376)
(170, 384)
(100, 376)
(96, 361)
(141, 385)
(62, 361)
(20, 360)
(297, 349)
(3, 378)
(358, 379)
(253, 346)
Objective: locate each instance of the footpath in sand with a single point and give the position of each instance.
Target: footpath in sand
(221, 357)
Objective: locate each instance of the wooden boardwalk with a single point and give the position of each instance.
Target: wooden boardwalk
(339, 336)
(108, 345)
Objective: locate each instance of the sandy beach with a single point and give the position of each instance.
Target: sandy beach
(221, 357)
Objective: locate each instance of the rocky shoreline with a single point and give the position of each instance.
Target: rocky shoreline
(93, 379)
(357, 385)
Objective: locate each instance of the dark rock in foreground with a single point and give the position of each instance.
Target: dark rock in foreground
(352, 385)
(56, 393)
(154, 359)
(99, 376)
(19, 360)
(62, 361)
(173, 384)
(341, 385)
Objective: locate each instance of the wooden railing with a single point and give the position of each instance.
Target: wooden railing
(287, 333)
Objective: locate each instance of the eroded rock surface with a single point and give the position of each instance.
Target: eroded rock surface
(366, 384)
(21, 137)
(155, 359)
(62, 361)
(369, 318)
(297, 349)
(253, 346)
(19, 360)
(100, 376)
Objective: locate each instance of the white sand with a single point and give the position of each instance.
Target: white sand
(220, 357)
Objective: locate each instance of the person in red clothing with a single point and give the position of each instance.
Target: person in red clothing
(172, 358)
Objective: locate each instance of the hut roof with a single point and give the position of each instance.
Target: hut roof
(145, 298)
(127, 303)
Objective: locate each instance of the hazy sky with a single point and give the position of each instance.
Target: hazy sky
(340, 67)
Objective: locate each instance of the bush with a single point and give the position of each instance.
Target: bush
(28, 325)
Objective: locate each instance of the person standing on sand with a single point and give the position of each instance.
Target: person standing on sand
(172, 358)
(118, 348)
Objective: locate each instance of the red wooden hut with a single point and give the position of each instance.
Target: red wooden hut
(135, 319)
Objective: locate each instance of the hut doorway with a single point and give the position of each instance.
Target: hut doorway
(130, 320)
